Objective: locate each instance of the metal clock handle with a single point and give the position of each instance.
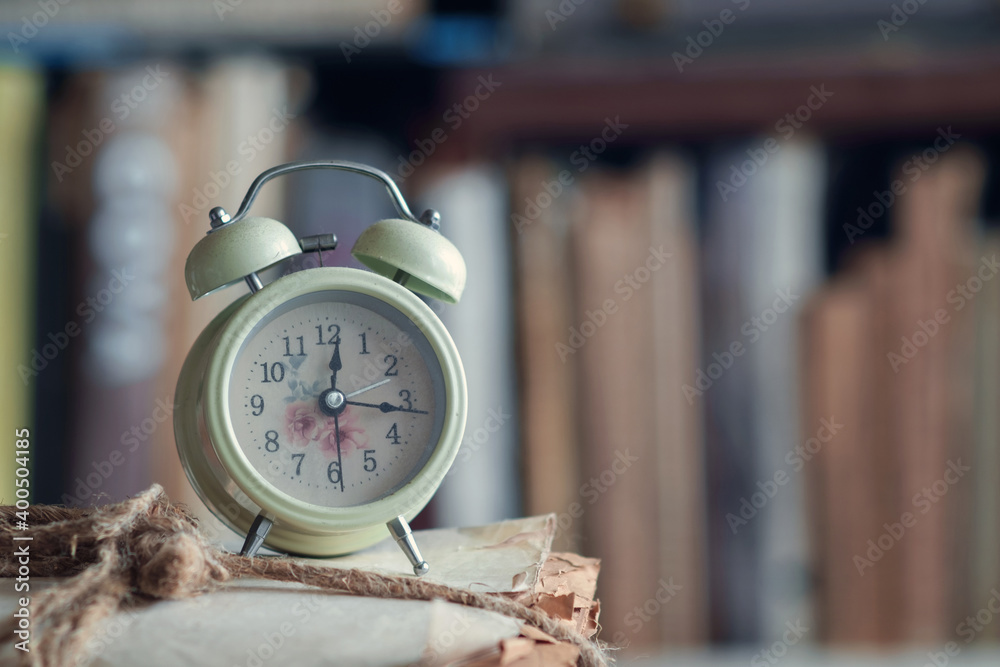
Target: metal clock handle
(430, 217)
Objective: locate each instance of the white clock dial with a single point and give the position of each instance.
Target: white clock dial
(337, 399)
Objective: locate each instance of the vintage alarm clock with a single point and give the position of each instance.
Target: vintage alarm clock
(329, 403)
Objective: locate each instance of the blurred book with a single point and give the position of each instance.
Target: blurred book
(483, 484)
(982, 519)
(784, 202)
(843, 473)
(540, 222)
(670, 184)
(21, 114)
(118, 178)
(612, 341)
(724, 385)
(934, 256)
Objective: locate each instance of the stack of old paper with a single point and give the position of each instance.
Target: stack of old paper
(251, 623)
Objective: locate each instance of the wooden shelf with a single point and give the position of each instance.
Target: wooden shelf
(878, 93)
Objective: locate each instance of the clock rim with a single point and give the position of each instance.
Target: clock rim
(218, 421)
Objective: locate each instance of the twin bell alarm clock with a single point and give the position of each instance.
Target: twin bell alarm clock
(328, 405)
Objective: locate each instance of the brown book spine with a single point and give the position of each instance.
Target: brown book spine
(544, 298)
(617, 406)
(836, 328)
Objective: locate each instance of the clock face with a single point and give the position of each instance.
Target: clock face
(337, 398)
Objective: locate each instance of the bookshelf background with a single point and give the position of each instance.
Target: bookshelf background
(565, 144)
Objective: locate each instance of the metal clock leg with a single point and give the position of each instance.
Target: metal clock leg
(404, 538)
(258, 533)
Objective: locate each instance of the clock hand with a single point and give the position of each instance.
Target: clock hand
(335, 364)
(340, 460)
(333, 398)
(371, 386)
(386, 407)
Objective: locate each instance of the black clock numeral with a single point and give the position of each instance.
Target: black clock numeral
(370, 459)
(393, 434)
(257, 403)
(331, 328)
(276, 374)
(302, 348)
(364, 343)
(333, 472)
(271, 438)
(298, 466)
(405, 395)
(391, 371)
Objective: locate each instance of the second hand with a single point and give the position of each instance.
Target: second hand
(340, 460)
(364, 389)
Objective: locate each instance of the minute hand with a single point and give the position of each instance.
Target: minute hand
(386, 407)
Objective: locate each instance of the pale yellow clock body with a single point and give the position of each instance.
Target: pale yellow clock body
(250, 435)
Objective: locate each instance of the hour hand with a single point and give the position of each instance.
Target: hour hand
(386, 407)
(335, 364)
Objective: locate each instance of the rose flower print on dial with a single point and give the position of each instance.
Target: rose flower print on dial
(334, 403)
(305, 423)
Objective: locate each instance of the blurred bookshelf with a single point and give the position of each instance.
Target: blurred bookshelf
(567, 140)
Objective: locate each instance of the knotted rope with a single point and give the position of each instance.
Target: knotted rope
(147, 548)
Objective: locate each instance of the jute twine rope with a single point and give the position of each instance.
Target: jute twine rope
(147, 548)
